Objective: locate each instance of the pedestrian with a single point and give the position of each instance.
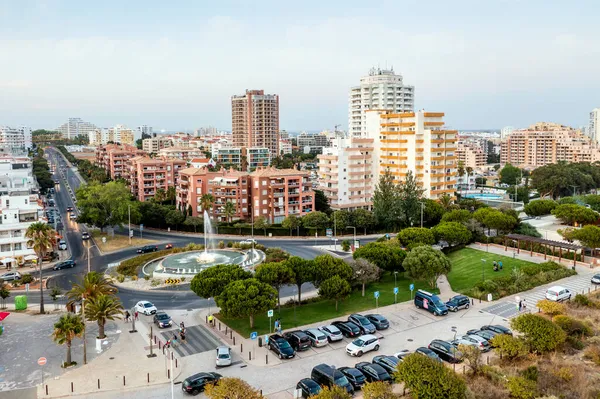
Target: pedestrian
(182, 335)
(495, 264)
(137, 315)
(276, 325)
(174, 340)
(524, 305)
(280, 325)
(167, 344)
(127, 315)
(181, 325)
(520, 306)
(210, 320)
(500, 264)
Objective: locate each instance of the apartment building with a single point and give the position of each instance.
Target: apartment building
(234, 187)
(593, 130)
(75, 127)
(16, 173)
(144, 130)
(146, 175)
(155, 144)
(227, 156)
(416, 142)
(470, 155)
(201, 163)
(346, 173)
(113, 158)
(255, 120)
(381, 89)
(15, 140)
(192, 184)
(257, 157)
(184, 153)
(547, 143)
(285, 147)
(278, 193)
(118, 134)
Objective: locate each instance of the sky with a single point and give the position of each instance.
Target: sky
(174, 65)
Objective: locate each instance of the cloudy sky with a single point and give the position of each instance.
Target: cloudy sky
(175, 64)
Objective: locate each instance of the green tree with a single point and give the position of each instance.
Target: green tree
(495, 219)
(261, 223)
(229, 210)
(457, 215)
(540, 207)
(426, 264)
(335, 288)
(433, 212)
(588, 235)
(460, 171)
(593, 200)
(101, 309)
(276, 274)
(174, 218)
(315, 220)
(510, 347)
(231, 388)
(171, 194)
(211, 282)
(410, 195)
(446, 202)
(363, 218)
(540, 334)
(453, 233)
(246, 298)
(4, 293)
(386, 201)
(103, 205)
(327, 266)
(66, 329)
(54, 294)
(428, 378)
(385, 255)
(510, 174)
(193, 221)
(340, 219)
(557, 180)
(41, 238)
(527, 230)
(160, 195)
(572, 213)
(322, 202)
(304, 272)
(378, 390)
(364, 272)
(334, 392)
(291, 222)
(206, 202)
(413, 236)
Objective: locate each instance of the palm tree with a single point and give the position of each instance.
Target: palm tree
(160, 196)
(66, 329)
(445, 201)
(469, 172)
(41, 238)
(229, 210)
(171, 194)
(103, 308)
(206, 202)
(460, 171)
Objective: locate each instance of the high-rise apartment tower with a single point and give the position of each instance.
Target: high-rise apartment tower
(255, 120)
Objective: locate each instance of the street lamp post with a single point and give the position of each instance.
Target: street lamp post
(422, 207)
(89, 269)
(482, 269)
(84, 329)
(353, 228)
(335, 231)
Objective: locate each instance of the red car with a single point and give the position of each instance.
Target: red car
(168, 246)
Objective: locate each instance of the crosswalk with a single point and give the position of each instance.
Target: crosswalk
(197, 339)
(580, 284)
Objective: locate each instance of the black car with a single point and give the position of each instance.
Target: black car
(428, 352)
(298, 340)
(366, 327)
(69, 209)
(67, 264)
(458, 302)
(446, 351)
(389, 363)
(85, 235)
(373, 372)
(348, 329)
(309, 387)
(498, 329)
(281, 347)
(162, 320)
(485, 334)
(355, 376)
(196, 383)
(380, 322)
(147, 248)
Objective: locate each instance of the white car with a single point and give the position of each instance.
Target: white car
(10, 276)
(363, 344)
(249, 241)
(332, 332)
(73, 216)
(317, 337)
(558, 294)
(223, 356)
(145, 307)
(62, 245)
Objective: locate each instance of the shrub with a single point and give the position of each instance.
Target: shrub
(551, 307)
(221, 244)
(575, 342)
(146, 277)
(120, 278)
(564, 373)
(583, 301)
(182, 279)
(540, 334)
(531, 373)
(276, 255)
(134, 278)
(427, 378)
(229, 244)
(510, 347)
(592, 353)
(155, 282)
(572, 326)
(27, 278)
(130, 267)
(521, 388)
(346, 245)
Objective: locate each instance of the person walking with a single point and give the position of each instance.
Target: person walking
(500, 264)
(520, 306)
(210, 320)
(181, 325)
(524, 305)
(137, 315)
(174, 340)
(127, 315)
(182, 335)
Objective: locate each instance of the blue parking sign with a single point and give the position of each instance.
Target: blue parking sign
(395, 290)
(412, 287)
(376, 293)
(253, 335)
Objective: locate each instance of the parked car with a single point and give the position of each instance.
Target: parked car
(332, 332)
(428, 352)
(145, 307)
(62, 245)
(317, 338)
(446, 351)
(281, 347)
(298, 340)
(458, 302)
(380, 322)
(348, 329)
(85, 235)
(498, 329)
(162, 320)
(223, 356)
(328, 376)
(147, 248)
(67, 264)
(401, 355)
(373, 372)
(362, 344)
(473, 340)
(430, 302)
(249, 241)
(486, 334)
(309, 387)
(558, 294)
(596, 279)
(196, 383)
(366, 327)
(389, 363)
(10, 276)
(356, 378)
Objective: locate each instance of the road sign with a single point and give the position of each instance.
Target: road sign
(395, 290)
(329, 233)
(266, 339)
(412, 287)
(4, 315)
(130, 233)
(253, 335)
(270, 313)
(27, 287)
(376, 293)
(42, 361)
(141, 227)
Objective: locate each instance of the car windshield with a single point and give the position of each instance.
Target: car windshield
(283, 344)
(314, 389)
(358, 342)
(223, 356)
(436, 300)
(362, 320)
(340, 379)
(148, 305)
(162, 316)
(320, 336)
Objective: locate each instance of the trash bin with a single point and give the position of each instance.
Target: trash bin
(260, 342)
(21, 302)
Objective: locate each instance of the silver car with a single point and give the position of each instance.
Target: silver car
(332, 332)
(473, 340)
(317, 337)
(223, 356)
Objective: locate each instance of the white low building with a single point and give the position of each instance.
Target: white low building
(15, 140)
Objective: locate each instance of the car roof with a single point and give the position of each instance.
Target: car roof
(314, 331)
(224, 349)
(367, 336)
(363, 364)
(199, 375)
(331, 327)
(376, 316)
(309, 381)
(556, 288)
(143, 302)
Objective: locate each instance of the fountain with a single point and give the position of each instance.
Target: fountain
(206, 256)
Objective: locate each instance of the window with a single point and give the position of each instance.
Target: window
(264, 211)
(18, 246)
(264, 182)
(264, 192)
(264, 202)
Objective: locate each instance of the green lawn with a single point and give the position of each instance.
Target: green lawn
(467, 267)
(324, 310)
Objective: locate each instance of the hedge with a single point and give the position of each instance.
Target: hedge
(130, 267)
